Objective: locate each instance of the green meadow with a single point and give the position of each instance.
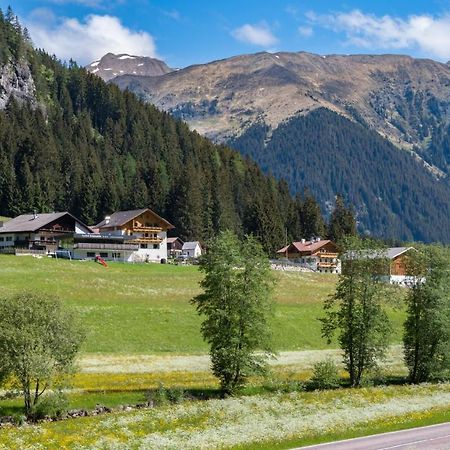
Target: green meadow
(142, 331)
(145, 309)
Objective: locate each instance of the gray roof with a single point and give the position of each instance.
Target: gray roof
(393, 252)
(171, 240)
(191, 245)
(120, 218)
(388, 253)
(29, 222)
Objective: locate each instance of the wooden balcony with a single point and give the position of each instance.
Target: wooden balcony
(326, 265)
(147, 240)
(141, 229)
(327, 255)
(93, 246)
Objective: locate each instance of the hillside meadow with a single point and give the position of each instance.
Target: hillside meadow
(145, 308)
(142, 332)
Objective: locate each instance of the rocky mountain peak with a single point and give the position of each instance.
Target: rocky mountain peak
(112, 65)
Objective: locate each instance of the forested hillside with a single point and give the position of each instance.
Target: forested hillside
(75, 143)
(392, 192)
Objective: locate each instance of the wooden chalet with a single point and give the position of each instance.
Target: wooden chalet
(317, 254)
(134, 236)
(40, 231)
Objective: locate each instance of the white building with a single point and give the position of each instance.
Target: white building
(130, 236)
(191, 249)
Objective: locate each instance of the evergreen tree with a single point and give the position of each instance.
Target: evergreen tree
(342, 221)
(311, 219)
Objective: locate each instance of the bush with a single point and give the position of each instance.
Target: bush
(163, 396)
(325, 375)
(53, 405)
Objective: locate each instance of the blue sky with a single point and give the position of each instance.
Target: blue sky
(184, 32)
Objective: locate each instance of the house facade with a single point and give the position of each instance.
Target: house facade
(174, 247)
(191, 249)
(43, 231)
(392, 266)
(138, 235)
(317, 255)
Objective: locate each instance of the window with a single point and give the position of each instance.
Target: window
(103, 255)
(90, 254)
(2, 239)
(143, 245)
(155, 246)
(8, 238)
(116, 255)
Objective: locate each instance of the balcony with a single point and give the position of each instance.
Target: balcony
(148, 240)
(143, 229)
(327, 255)
(93, 246)
(326, 265)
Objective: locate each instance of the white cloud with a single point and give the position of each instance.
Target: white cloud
(258, 34)
(305, 31)
(88, 40)
(427, 33)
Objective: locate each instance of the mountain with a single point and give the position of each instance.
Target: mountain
(373, 128)
(111, 65)
(402, 98)
(71, 142)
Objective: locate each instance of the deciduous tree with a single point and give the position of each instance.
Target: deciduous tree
(355, 311)
(236, 305)
(39, 339)
(426, 337)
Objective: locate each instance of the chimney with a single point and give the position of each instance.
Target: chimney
(107, 219)
(318, 239)
(303, 241)
(35, 215)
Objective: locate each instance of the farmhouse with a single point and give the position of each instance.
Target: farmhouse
(191, 249)
(394, 269)
(174, 246)
(43, 231)
(138, 235)
(317, 255)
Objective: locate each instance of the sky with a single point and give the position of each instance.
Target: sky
(185, 32)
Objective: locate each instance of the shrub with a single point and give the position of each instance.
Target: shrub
(163, 396)
(325, 375)
(53, 405)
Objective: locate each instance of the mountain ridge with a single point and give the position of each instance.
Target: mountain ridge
(112, 65)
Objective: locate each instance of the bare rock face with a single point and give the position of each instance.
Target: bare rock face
(403, 98)
(111, 66)
(16, 80)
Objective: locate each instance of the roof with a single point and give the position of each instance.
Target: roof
(393, 252)
(171, 240)
(307, 246)
(31, 222)
(120, 218)
(388, 253)
(191, 245)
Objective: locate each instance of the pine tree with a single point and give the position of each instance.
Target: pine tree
(342, 221)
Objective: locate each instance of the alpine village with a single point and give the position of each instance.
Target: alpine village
(246, 253)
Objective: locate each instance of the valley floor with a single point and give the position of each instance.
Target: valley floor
(143, 333)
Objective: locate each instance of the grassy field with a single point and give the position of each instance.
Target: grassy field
(4, 219)
(142, 331)
(145, 309)
(268, 421)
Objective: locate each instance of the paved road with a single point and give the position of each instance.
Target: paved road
(434, 437)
